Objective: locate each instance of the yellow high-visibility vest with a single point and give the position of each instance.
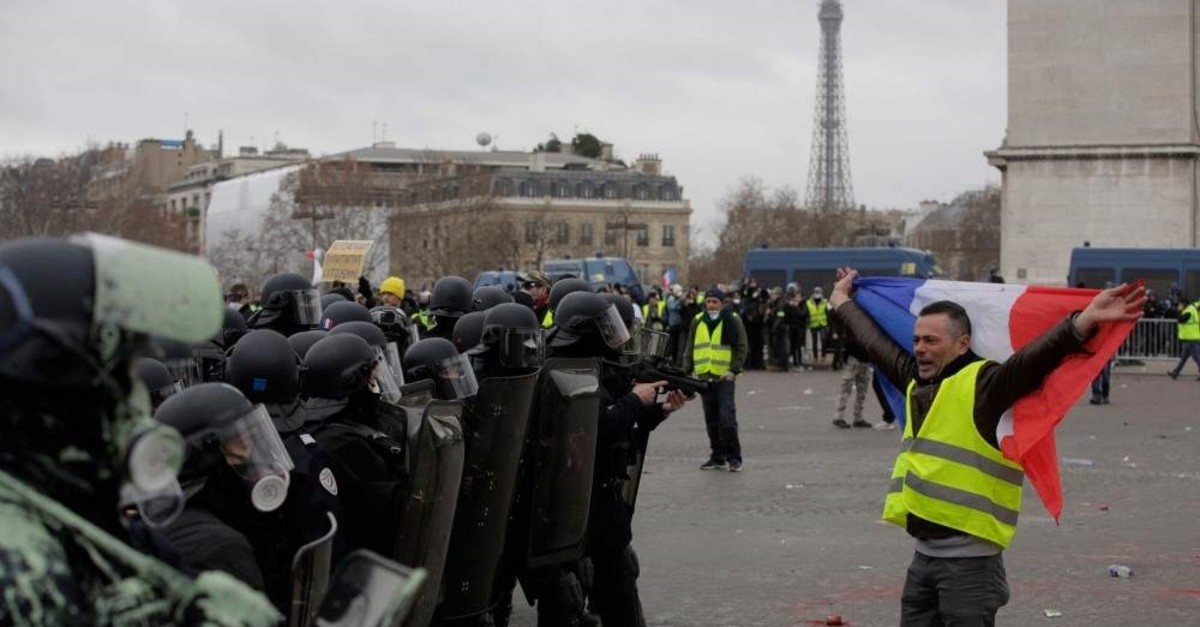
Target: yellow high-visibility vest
(548, 319)
(709, 356)
(661, 307)
(948, 474)
(818, 316)
(1190, 331)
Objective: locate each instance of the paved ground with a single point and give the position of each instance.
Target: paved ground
(796, 537)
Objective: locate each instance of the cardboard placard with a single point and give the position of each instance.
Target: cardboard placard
(344, 260)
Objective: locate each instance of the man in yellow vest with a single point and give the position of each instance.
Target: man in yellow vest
(716, 352)
(952, 489)
(818, 323)
(1188, 327)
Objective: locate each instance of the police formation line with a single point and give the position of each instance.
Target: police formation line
(169, 460)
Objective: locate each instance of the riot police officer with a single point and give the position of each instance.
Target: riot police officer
(452, 298)
(219, 424)
(289, 305)
(345, 311)
(558, 291)
(158, 380)
(74, 315)
(264, 367)
(302, 341)
(468, 331)
(587, 325)
(396, 326)
(340, 381)
(489, 296)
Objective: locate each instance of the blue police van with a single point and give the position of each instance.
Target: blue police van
(1163, 269)
(599, 271)
(812, 267)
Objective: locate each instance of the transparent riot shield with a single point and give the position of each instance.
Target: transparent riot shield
(310, 577)
(494, 429)
(562, 453)
(369, 590)
(435, 454)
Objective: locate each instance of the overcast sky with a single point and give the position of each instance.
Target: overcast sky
(720, 90)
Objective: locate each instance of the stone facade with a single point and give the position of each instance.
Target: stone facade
(1102, 144)
(517, 218)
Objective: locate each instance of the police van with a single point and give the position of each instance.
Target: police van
(599, 271)
(813, 267)
(1163, 269)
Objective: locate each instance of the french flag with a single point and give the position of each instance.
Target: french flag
(668, 277)
(1004, 318)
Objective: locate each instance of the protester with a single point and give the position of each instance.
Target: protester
(716, 352)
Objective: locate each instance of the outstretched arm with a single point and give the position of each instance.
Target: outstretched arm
(893, 361)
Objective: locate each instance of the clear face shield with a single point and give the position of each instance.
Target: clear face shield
(156, 508)
(517, 348)
(253, 448)
(612, 328)
(631, 351)
(653, 344)
(388, 375)
(455, 378)
(306, 307)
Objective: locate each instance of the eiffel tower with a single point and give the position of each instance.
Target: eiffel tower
(829, 186)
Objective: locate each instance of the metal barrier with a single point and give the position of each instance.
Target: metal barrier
(1155, 338)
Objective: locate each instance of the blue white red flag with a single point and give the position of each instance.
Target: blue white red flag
(668, 277)
(1004, 317)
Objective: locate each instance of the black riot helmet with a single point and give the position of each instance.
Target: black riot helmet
(511, 334)
(436, 359)
(304, 340)
(158, 380)
(559, 290)
(289, 304)
(588, 319)
(338, 366)
(264, 367)
(221, 427)
(388, 373)
(452, 297)
(632, 348)
(489, 296)
(179, 359)
(342, 312)
(468, 331)
(330, 298)
(233, 327)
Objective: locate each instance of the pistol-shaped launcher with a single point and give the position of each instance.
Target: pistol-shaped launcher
(651, 369)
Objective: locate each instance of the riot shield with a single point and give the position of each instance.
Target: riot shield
(637, 461)
(494, 428)
(562, 453)
(435, 454)
(310, 576)
(369, 591)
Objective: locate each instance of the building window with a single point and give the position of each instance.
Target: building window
(641, 193)
(172, 205)
(668, 238)
(643, 236)
(529, 189)
(667, 193)
(610, 190)
(531, 232)
(586, 233)
(611, 232)
(644, 273)
(564, 190)
(562, 234)
(583, 190)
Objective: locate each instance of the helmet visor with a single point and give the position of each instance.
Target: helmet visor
(253, 448)
(653, 343)
(517, 348)
(155, 291)
(306, 307)
(633, 348)
(388, 375)
(612, 328)
(456, 378)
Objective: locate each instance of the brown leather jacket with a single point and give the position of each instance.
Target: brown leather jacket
(997, 387)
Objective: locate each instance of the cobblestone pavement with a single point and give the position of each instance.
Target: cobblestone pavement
(796, 537)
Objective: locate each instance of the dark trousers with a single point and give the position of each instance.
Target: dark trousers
(755, 342)
(780, 351)
(796, 339)
(720, 419)
(614, 596)
(888, 416)
(953, 591)
(1188, 350)
(1100, 384)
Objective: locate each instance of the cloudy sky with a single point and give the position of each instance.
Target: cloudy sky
(720, 90)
